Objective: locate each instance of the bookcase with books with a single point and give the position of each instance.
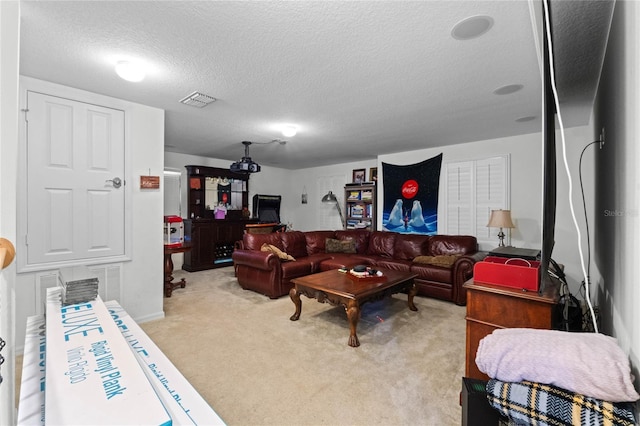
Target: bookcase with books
(360, 209)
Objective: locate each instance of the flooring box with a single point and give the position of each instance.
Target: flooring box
(185, 405)
(93, 378)
(507, 272)
(31, 406)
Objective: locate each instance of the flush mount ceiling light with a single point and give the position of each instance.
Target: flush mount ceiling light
(197, 99)
(289, 131)
(508, 89)
(471, 27)
(130, 71)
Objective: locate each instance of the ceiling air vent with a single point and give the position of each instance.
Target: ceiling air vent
(198, 100)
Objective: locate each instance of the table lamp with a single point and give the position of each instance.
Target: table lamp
(500, 219)
(330, 198)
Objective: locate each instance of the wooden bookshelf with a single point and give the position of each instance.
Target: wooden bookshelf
(360, 206)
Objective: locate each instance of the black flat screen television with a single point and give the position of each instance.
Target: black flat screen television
(549, 171)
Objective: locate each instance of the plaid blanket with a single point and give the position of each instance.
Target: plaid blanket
(540, 404)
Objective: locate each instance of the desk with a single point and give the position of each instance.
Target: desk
(169, 286)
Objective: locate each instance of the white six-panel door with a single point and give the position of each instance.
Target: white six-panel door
(75, 153)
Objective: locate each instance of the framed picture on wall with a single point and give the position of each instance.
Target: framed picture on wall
(359, 175)
(373, 174)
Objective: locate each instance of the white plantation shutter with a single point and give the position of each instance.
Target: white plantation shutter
(474, 188)
(459, 206)
(491, 194)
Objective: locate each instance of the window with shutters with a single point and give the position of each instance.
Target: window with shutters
(472, 189)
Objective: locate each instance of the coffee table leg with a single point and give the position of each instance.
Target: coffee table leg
(413, 290)
(295, 298)
(353, 315)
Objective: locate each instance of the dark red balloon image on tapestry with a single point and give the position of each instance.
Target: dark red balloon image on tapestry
(409, 189)
(410, 204)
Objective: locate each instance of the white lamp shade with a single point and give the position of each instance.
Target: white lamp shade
(500, 219)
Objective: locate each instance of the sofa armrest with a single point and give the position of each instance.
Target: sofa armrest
(266, 261)
(463, 271)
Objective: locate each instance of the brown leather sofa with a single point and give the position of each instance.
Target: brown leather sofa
(264, 272)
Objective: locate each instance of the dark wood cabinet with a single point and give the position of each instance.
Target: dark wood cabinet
(209, 186)
(490, 307)
(212, 240)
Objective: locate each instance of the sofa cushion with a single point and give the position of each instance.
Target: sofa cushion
(394, 265)
(381, 243)
(360, 236)
(255, 241)
(296, 269)
(446, 260)
(275, 250)
(333, 245)
(294, 243)
(408, 246)
(316, 241)
(433, 273)
(452, 244)
(343, 260)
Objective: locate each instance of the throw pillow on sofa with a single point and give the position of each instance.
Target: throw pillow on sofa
(275, 250)
(339, 246)
(446, 260)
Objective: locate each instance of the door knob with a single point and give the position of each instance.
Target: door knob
(116, 182)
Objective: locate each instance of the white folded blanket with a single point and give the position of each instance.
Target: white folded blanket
(591, 364)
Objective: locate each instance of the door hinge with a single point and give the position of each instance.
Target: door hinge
(25, 110)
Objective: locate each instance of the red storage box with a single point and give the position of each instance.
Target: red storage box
(508, 272)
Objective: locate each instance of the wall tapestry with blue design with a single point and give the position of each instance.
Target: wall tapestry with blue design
(411, 197)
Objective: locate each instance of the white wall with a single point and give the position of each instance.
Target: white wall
(9, 63)
(142, 277)
(617, 204)
(317, 181)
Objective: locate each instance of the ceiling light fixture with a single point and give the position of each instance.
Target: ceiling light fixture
(289, 131)
(130, 71)
(471, 27)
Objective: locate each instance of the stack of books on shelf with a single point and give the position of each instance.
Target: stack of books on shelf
(354, 196)
(78, 285)
(367, 194)
(357, 210)
(351, 224)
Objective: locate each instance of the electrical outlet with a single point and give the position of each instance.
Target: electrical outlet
(602, 138)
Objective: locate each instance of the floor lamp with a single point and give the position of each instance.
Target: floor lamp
(330, 198)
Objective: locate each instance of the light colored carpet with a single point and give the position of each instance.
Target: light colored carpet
(256, 367)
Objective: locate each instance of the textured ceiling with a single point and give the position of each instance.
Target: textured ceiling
(359, 79)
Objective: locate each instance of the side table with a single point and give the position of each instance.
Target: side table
(490, 307)
(169, 286)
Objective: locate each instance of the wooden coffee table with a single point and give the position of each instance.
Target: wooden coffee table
(339, 288)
